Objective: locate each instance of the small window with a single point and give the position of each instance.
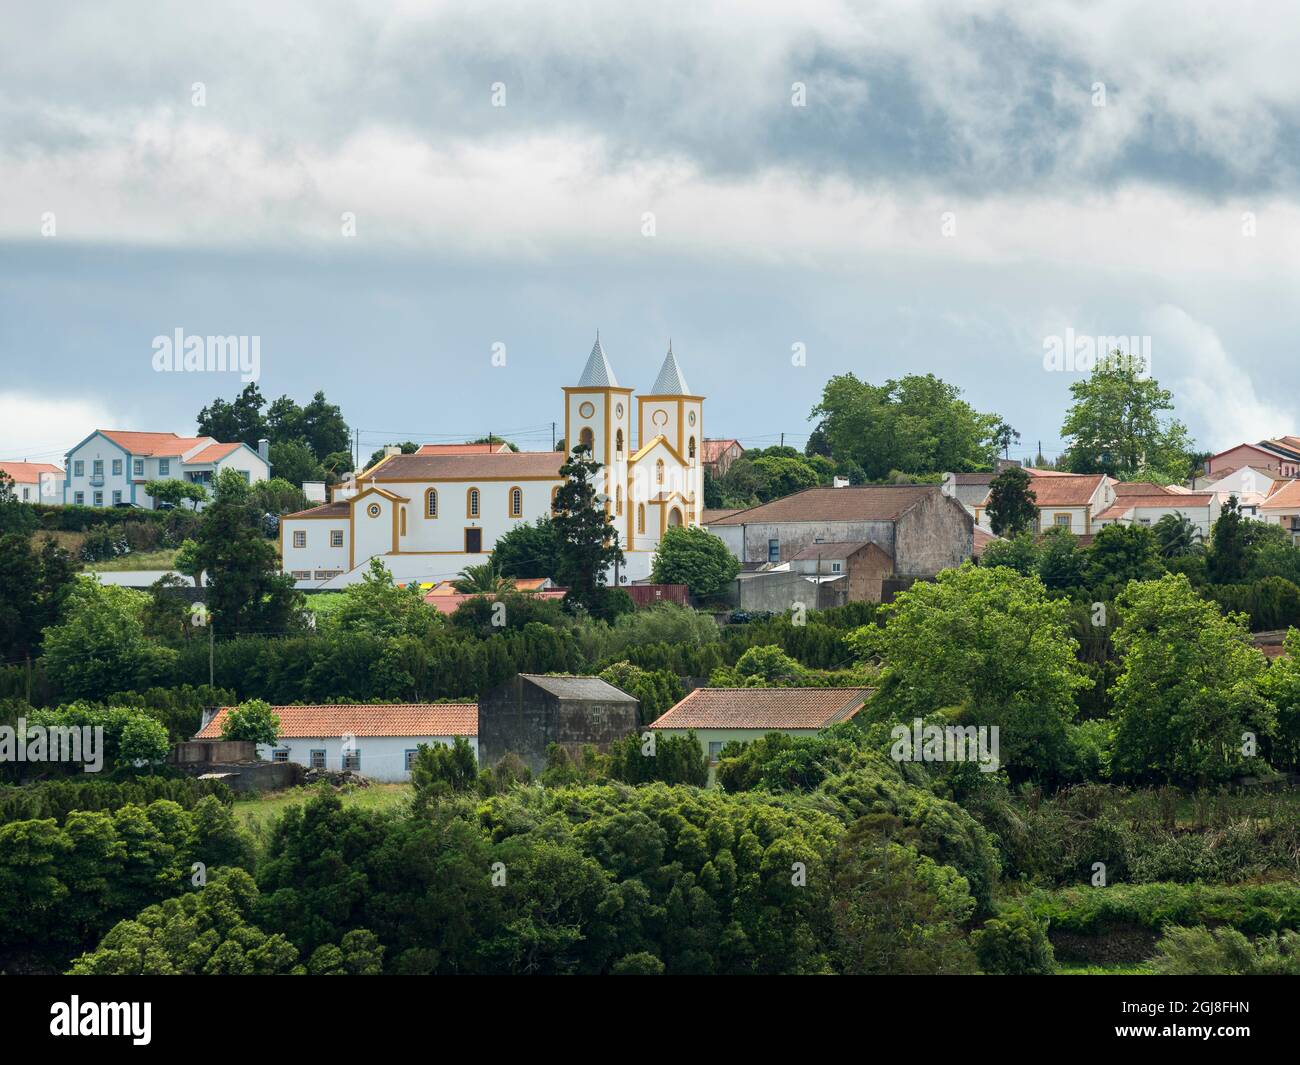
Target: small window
(431, 503)
(79, 498)
(690, 449)
(1061, 519)
(164, 467)
(774, 550)
(640, 517)
(299, 538)
(99, 499)
(137, 467)
(78, 468)
(587, 439)
(618, 442)
(317, 759)
(715, 749)
(281, 755)
(835, 567)
(352, 760)
(97, 468)
(618, 500)
(659, 472)
(117, 467)
(117, 496)
(472, 503)
(410, 760)
(27, 493)
(516, 502)
(336, 538)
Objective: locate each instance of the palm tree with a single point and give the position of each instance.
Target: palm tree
(482, 579)
(1178, 536)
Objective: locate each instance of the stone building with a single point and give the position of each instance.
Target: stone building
(530, 712)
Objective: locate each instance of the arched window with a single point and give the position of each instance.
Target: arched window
(431, 503)
(403, 521)
(516, 502)
(588, 439)
(690, 451)
(472, 503)
(640, 517)
(555, 494)
(618, 442)
(618, 500)
(674, 517)
(659, 472)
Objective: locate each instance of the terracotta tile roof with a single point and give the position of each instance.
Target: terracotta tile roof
(339, 509)
(838, 549)
(1035, 471)
(1286, 497)
(982, 478)
(463, 449)
(1157, 502)
(982, 539)
(214, 452)
(764, 708)
(708, 515)
(166, 445)
(1289, 446)
(1066, 490)
(869, 502)
(461, 467)
(361, 719)
(1139, 488)
(28, 472)
(712, 450)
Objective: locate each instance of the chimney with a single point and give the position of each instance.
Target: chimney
(391, 449)
(264, 450)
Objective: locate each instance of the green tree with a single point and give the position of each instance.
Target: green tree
(483, 579)
(915, 424)
(376, 606)
(1115, 425)
(1187, 695)
(692, 556)
(1014, 943)
(1020, 553)
(174, 492)
(254, 722)
(239, 422)
(1228, 558)
(295, 462)
(34, 588)
(1119, 554)
(441, 770)
(246, 590)
(585, 533)
(1061, 565)
(277, 496)
(989, 647)
(528, 550)
(1012, 507)
(1178, 536)
(783, 475)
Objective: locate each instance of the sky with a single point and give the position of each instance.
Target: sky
(428, 209)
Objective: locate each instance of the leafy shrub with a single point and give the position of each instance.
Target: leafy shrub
(1014, 943)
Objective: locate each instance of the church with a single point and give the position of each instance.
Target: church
(430, 514)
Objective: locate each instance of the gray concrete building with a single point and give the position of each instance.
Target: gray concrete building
(920, 528)
(530, 712)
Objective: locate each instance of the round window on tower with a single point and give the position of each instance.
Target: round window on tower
(659, 418)
(618, 410)
(691, 417)
(373, 510)
(586, 410)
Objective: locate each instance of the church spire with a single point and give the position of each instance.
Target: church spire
(598, 372)
(670, 381)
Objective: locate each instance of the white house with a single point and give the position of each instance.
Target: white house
(430, 514)
(719, 716)
(1200, 508)
(111, 466)
(377, 741)
(1064, 500)
(35, 482)
(1250, 484)
(1283, 508)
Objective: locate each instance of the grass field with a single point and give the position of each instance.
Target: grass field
(163, 558)
(257, 813)
(1104, 970)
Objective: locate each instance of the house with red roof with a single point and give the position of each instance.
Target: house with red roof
(1282, 507)
(111, 466)
(35, 482)
(1065, 500)
(1200, 508)
(378, 741)
(719, 716)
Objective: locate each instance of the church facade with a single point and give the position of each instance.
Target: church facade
(428, 516)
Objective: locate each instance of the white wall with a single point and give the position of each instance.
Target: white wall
(382, 757)
(316, 554)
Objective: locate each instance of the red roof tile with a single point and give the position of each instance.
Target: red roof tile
(1287, 497)
(28, 472)
(763, 708)
(544, 464)
(214, 452)
(361, 719)
(1066, 490)
(463, 449)
(164, 444)
(870, 502)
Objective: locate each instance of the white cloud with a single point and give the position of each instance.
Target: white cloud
(1211, 389)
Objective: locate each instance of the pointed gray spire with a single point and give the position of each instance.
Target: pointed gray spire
(670, 381)
(598, 373)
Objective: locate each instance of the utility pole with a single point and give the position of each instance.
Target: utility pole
(212, 655)
(552, 436)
